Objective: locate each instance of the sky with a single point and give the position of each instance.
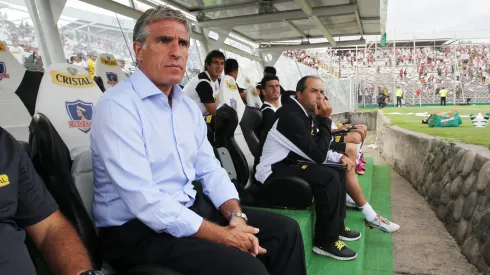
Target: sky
(447, 18)
(422, 19)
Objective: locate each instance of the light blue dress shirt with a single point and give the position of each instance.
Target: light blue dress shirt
(146, 155)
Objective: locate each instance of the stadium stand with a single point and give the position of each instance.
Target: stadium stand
(428, 69)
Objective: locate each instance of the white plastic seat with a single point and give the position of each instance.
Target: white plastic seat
(106, 67)
(253, 98)
(11, 75)
(230, 96)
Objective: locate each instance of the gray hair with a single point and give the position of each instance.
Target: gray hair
(301, 86)
(140, 31)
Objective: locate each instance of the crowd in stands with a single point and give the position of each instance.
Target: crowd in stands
(462, 69)
(303, 56)
(77, 44)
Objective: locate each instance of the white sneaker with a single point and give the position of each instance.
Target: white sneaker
(350, 203)
(383, 224)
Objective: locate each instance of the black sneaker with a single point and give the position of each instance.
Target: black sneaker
(336, 250)
(349, 235)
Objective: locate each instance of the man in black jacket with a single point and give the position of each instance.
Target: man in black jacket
(297, 143)
(272, 101)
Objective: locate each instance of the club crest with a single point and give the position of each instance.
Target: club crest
(72, 71)
(233, 103)
(80, 114)
(3, 71)
(112, 78)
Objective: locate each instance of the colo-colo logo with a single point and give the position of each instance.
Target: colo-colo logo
(71, 80)
(108, 61)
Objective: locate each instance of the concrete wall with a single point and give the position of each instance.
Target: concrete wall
(366, 118)
(454, 178)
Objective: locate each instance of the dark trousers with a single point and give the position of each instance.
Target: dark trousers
(443, 100)
(329, 191)
(382, 105)
(398, 101)
(134, 243)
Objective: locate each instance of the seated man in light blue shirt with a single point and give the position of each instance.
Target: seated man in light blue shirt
(149, 144)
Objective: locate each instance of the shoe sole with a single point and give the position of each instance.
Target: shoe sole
(319, 251)
(342, 238)
(380, 229)
(352, 207)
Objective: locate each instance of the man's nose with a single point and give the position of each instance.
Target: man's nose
(174, 49)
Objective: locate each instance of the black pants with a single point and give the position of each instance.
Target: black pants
(210, 122)
(443, 100)
(382, 105)
(134, 243)
(329, 192)
(398, 101)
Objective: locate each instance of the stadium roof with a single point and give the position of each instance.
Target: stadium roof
(285, 20)
(265, 21)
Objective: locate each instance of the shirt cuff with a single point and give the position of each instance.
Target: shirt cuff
(225, 192)
(333, 156)
(186, 224)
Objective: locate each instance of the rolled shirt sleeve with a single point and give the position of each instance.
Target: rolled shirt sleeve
(117, 138)
(333, 156)
(216, 182)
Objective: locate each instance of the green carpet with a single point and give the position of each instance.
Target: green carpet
(375, 249)
(379, 245)
(355, 220)
(305, 219)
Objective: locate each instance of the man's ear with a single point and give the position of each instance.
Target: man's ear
(299, 95)
(138, 51)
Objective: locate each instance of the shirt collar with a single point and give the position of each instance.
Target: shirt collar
(210, 79)
(302, 108)
(143, 86)
(272, 106)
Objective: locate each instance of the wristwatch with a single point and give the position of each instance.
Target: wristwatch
(239, 214)
(92, 272)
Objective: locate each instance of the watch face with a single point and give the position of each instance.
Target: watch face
(92, 272)
(241, 215)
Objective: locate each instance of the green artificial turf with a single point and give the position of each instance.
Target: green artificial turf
(320, 265)
(379, 246)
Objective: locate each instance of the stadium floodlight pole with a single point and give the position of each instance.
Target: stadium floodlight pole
(415, 69)
(357, 77)
(394, 69)
(434, 61)
(454, 70)
(420, 99)
(461, 78)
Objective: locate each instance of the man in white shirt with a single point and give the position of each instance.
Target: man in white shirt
(18, 52)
